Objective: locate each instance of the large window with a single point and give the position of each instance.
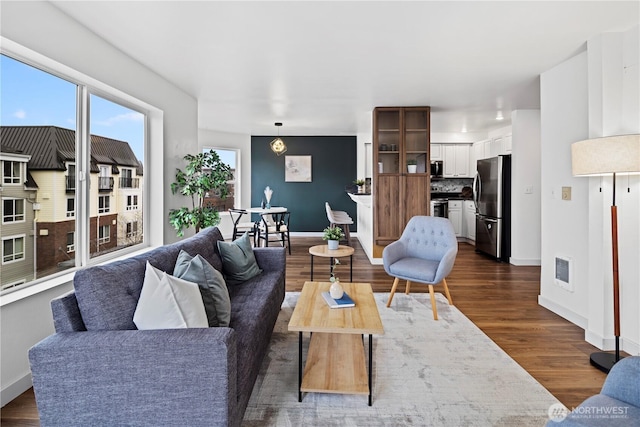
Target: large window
(230, 158)
(58, 218)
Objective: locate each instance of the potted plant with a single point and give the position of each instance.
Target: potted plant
(332, 235)
(360, 183)
(412, 166)
(335, 290)
(204, 175)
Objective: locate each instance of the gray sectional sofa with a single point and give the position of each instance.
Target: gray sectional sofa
(99, 370)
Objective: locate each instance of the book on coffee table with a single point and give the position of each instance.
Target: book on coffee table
(343, 302)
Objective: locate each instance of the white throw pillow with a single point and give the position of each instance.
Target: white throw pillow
(167, 302)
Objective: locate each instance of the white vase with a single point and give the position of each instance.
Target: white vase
(333, 244)
(412, 168)
(336, 290)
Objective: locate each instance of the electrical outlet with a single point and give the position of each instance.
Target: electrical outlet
(528, 190)
(566, 193)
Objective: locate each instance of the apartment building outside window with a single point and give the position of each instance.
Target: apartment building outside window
(12, 249)
(11, 172)
(12, 210)
(50, 219)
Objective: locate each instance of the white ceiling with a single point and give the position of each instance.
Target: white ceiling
(321, 67)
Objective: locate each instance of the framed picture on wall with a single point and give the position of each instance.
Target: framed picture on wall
(297, 168)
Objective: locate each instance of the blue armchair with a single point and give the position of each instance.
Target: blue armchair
(425, 253)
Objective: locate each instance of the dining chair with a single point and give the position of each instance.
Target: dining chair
(340, 219)
(274, 224)
(425, 253)
(239, 227)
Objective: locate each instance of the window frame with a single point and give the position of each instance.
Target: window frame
(72, 212)
(15, 179)
(71, 247)
(24, 212)
(102, 240)
(106, 207)
(14, 238)
(152, 159)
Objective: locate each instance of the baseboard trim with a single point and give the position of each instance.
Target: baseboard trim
(16, 389)
(563, 312)
(524, 261)
(609, 344)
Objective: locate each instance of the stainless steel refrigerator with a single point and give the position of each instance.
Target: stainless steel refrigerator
(492, 197)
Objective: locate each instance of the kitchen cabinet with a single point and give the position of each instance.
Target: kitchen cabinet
(455, 216)
(469, 219)
(456, 161)
(436, 152)
(506, 141)
(400, 134)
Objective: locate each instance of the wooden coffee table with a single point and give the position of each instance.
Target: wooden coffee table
(336, 357)
(325, 252)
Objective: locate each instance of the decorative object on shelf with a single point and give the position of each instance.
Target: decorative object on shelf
(268, 192)
(332, 235)
(204, 174)
(297, 169)
(335, 290)
(608, 156)
(360, 183)
(412, 166)
(277, 145)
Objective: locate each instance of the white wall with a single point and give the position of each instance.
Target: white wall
(525, 174)
(591, 95)
(41, 27)
(564, 224)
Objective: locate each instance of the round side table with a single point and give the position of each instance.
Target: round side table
(325, 252)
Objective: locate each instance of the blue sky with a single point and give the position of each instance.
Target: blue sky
(30, 97)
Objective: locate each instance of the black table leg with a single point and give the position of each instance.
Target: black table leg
(300, 369)
(370, 365)
(312, 268)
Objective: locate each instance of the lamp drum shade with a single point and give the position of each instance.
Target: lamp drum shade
(611, 154)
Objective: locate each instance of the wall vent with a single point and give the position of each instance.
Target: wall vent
(563, 273)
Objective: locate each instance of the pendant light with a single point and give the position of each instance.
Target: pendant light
(277, 145)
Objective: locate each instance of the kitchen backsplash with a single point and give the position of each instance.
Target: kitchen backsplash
(451, 185)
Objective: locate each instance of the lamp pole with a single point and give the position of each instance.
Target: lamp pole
(603, 360)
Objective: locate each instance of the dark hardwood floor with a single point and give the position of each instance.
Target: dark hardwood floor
(499, 298)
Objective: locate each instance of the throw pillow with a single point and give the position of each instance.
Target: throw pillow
(167, 302)
(238, 262)
(215, 294)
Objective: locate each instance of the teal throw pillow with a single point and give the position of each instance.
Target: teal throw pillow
(213, 288)
(238, 262)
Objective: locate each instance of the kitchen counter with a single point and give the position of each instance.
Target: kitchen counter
(361, 198)
(448, 196)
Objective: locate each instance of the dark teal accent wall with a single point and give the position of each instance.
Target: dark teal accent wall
(333, 167)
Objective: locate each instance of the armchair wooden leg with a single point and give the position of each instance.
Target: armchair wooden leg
(393, 291)
(433, 303)
(446, 291)
(408, 288)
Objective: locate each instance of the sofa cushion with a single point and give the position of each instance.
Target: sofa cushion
(108, 294)
(215, 295)
(167, 302)
(238, 262)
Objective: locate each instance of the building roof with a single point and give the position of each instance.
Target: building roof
(51, 146)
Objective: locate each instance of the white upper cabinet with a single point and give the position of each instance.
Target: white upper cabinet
(436, 152)
(456, 161)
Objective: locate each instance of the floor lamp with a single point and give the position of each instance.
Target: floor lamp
(608, 156)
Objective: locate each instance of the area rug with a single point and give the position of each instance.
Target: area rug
(425, 373)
